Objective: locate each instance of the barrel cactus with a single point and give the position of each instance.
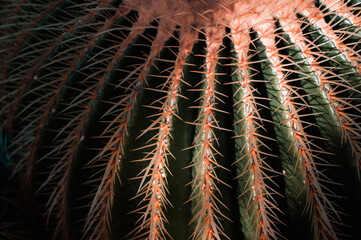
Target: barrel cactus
(178, 119)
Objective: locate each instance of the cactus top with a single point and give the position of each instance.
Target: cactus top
(202, 14)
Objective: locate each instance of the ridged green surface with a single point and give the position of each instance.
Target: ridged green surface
(98, 101)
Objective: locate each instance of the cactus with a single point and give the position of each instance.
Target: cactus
(180, 119)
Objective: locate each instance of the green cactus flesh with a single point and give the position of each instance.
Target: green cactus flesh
(180, 119)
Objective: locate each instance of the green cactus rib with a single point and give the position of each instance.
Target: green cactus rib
(180, 119)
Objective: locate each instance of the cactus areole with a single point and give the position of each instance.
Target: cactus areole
(183, 119)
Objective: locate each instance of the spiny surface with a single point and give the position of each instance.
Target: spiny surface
(137, 119)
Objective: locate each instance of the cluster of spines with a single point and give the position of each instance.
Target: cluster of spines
(317, 200)
(328, 88)
(153, 186)
(341, 9)
(260, 204)
(39, 117)
(97, 222)
(333, 89)
(13, 97)
(17, 27)
(349, 123)
(155, 190)
(79, 112)
(204, 196)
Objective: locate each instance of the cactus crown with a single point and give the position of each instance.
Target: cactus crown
(182, 119)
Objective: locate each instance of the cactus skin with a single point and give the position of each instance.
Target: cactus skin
(181, 119)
